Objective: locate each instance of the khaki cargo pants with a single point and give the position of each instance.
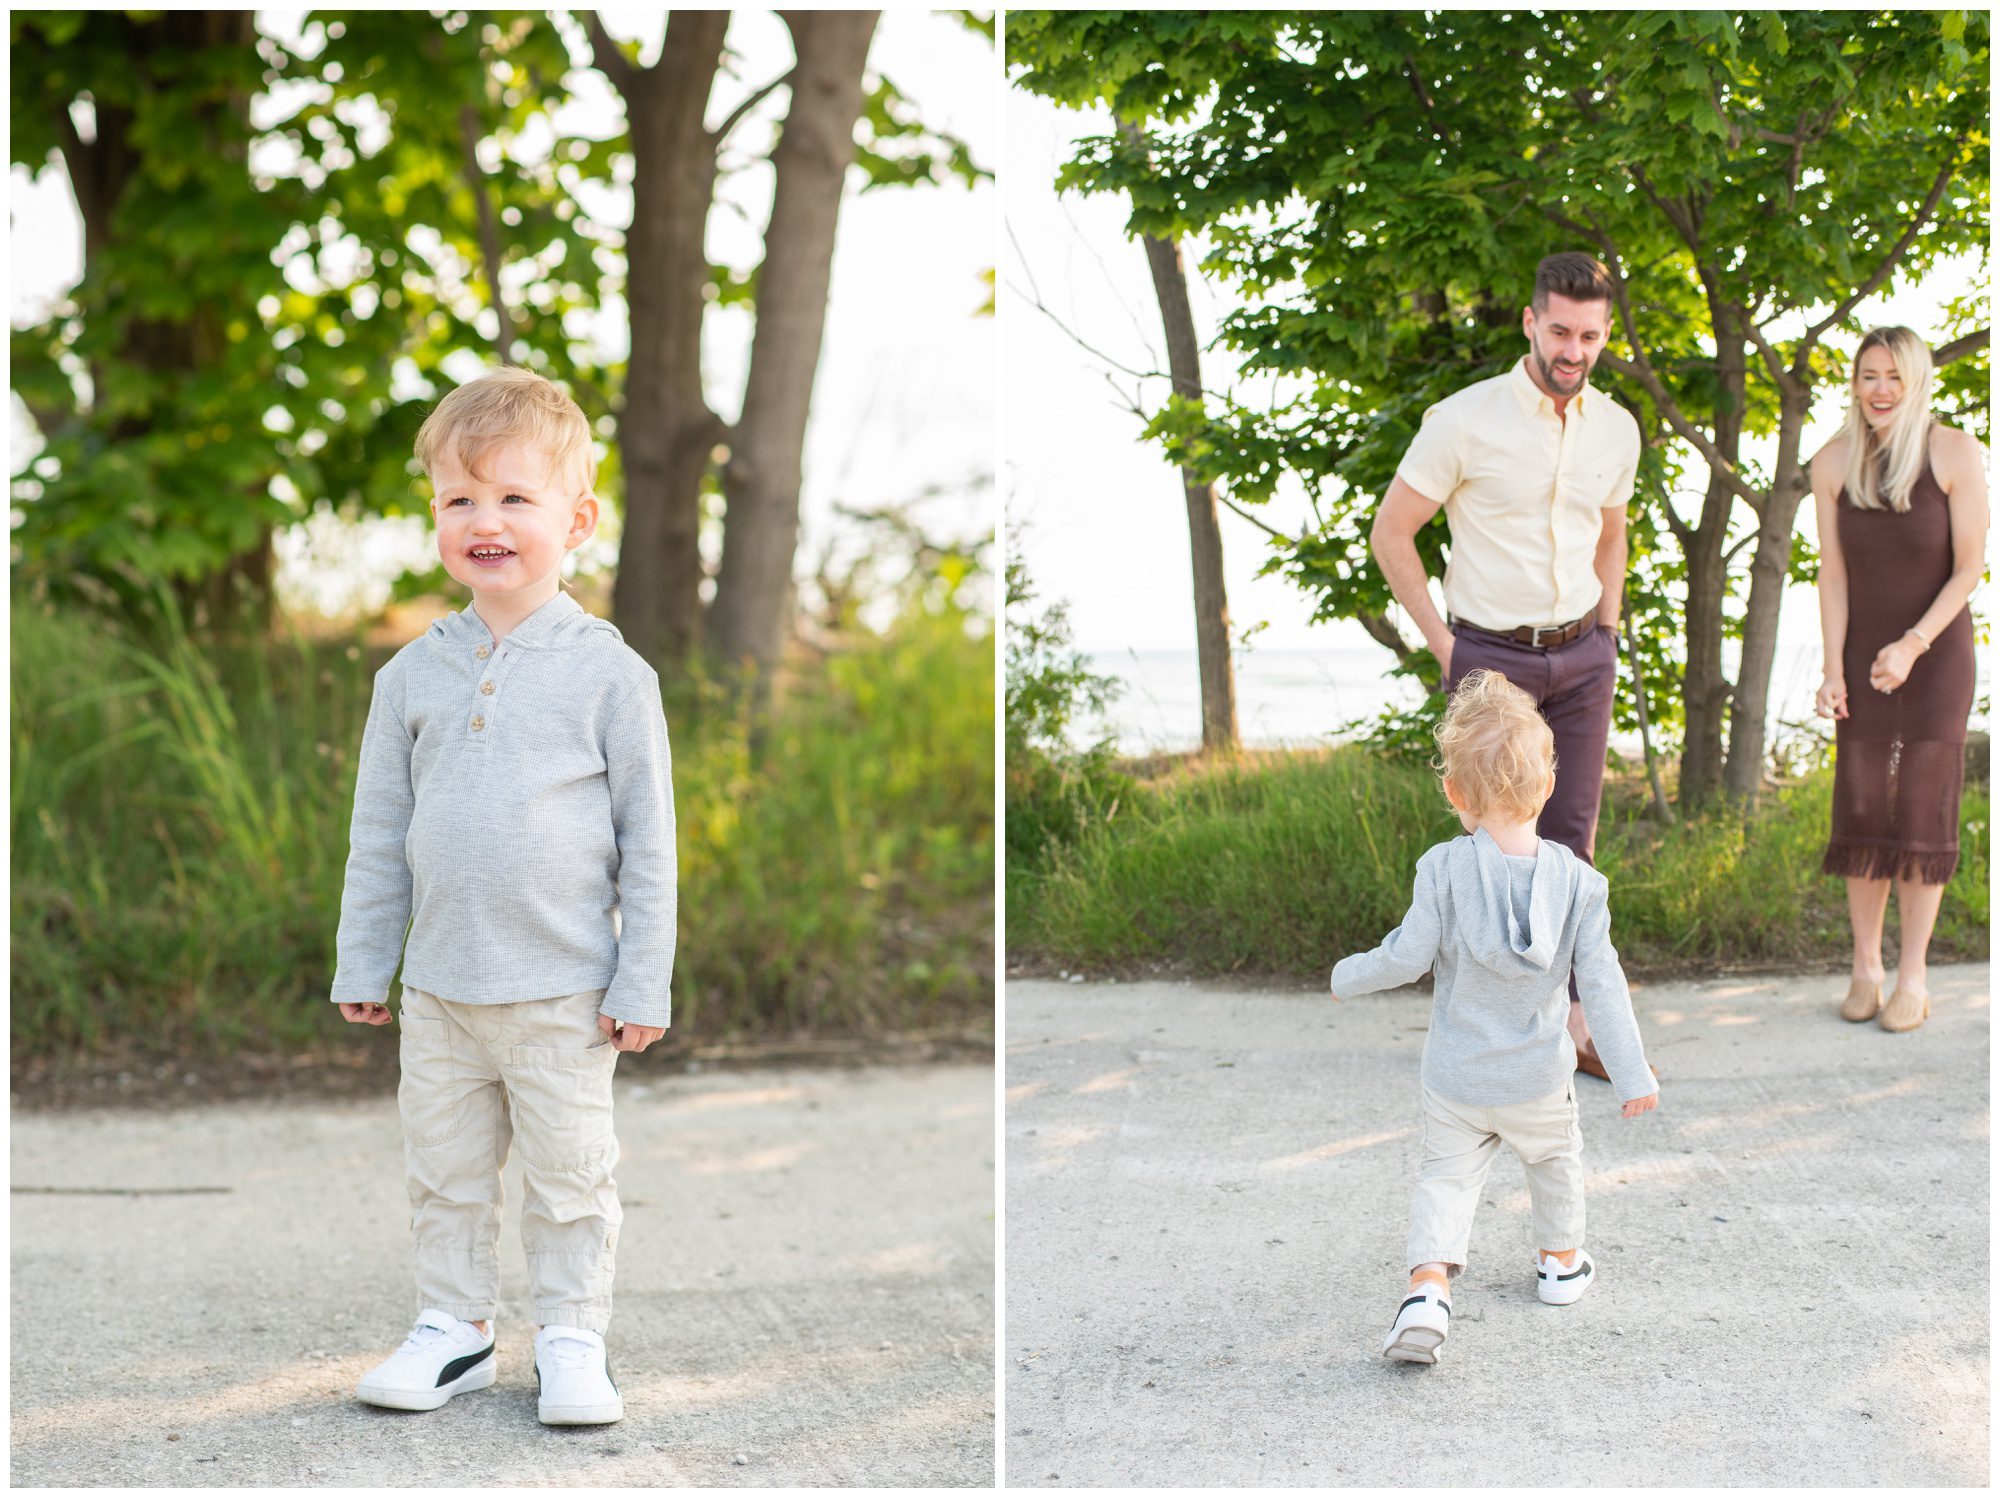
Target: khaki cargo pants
(1460, 1141)
(476, 1079)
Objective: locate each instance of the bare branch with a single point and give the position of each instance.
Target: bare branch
(1644, 375)
(721, 132)
(1382, 630)
(1770, 355)
(609, 59)
(1958, 348)
(1682, 217)
(1423, 94)
(489, 230)
(1081, 342)
(1883, 271)
(1268, 530)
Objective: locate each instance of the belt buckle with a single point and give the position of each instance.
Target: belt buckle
(1547, 629)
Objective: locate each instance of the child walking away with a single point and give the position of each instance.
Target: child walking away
(1501, 917)
(514, 820)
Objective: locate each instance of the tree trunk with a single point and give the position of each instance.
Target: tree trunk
(1211, 603)
(101, 170)
(1769, 569)
(667, 434)
(1704, 688)
(1707, 692)
(760, 483)
(1658, 808)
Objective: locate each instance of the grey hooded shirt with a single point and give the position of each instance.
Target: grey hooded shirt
(1502, 955)
(514, 817)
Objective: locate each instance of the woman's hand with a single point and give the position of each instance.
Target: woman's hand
(1892, 664)
(1831, 699)
(366, 1014)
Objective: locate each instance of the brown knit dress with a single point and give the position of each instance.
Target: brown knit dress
(1899, 757)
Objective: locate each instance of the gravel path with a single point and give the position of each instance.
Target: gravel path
(1206, 1202)
(805, 1289)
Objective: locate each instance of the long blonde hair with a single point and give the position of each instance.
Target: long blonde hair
(1881, 471)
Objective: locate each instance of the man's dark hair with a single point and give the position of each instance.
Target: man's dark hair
(1572, 274)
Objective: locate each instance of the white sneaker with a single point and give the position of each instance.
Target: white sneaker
(1422, 1323)
(444, 1356)
(1561, 1284)
(573, 1378)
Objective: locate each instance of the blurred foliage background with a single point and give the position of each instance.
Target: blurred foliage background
(294, 240)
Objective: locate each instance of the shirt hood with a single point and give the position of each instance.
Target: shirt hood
(559, 624)
(1484, 910)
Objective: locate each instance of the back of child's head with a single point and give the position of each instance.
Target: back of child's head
(1496, 749)
(511, 405)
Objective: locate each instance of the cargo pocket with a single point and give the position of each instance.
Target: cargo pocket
(429, 1097)
(562, 1106)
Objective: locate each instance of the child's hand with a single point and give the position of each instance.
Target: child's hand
(366, 1014)
(1640, 1105)
(626, 1037)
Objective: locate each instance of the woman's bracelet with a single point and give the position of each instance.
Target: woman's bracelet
(1913, 630)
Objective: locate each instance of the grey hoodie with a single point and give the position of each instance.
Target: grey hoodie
(514, 815)
(1499, 1031)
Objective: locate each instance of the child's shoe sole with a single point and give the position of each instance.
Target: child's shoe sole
(478, 1377)
(1416, 1344)
(1422, 1324)
(599, 1414)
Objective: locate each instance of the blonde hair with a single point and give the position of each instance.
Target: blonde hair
(509, 405)
(1881, 471)
(1496, 749)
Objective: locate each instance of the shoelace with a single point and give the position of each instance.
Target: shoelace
(567, 1352)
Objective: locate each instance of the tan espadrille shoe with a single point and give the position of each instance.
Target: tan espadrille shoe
(1864, 1001)
(1905, 1010)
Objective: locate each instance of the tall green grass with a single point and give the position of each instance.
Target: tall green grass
(179, 829)
(1281, 863)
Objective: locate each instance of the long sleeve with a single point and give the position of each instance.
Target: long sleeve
(1406, 953)
(1607, 1001)
(639, 766)
(375, 903)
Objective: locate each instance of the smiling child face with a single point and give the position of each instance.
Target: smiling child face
(504, 532)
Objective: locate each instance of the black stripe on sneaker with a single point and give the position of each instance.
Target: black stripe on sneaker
(1418, 1299)
(1577, 1273)
(459, 1367)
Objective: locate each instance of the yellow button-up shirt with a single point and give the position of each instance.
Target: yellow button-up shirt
(1524, 493)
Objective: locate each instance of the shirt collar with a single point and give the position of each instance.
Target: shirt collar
(536, 628)
(1533, 398)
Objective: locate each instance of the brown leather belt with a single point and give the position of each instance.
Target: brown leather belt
(1542, 637)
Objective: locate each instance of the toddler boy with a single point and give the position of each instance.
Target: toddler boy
(514, 817)
(1501, 917)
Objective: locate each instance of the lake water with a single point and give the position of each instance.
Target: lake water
(1301, 698)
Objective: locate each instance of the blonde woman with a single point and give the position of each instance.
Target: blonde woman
(1901, 501)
